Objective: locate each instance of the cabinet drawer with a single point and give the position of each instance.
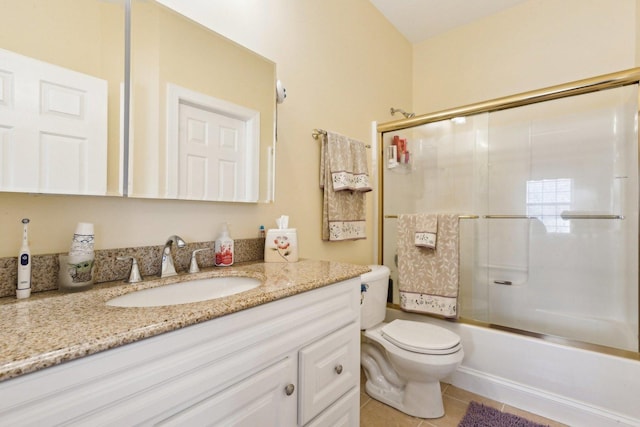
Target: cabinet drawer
(329, 367)
(344, 413)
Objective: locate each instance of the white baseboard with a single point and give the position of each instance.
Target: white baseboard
(546, 404)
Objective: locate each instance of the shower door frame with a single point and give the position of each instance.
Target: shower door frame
(578, 87)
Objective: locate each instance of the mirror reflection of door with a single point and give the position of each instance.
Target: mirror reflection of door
(211, 161)
(212, 148)
(53, 128)
(174, 61)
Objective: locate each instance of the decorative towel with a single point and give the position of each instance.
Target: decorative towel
(360, 180)
(344, 178)
(346, 160)
(426, 230)
(428, 278)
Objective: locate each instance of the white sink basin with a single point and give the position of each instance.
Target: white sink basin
(186, 292)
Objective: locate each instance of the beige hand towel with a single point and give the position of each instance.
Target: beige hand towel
(346, 159)
(340, 161)
(428, 279)
(360, 177)
(426, 230)
(343, 210)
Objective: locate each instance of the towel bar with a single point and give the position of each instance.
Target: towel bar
(317, 132)
(563, 216)
(459, 216)
(509, 217)
(580, 216)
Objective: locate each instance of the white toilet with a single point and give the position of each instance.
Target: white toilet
(403, 360)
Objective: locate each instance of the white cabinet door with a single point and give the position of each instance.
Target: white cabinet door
(262, 399)
(53, 128)
(328, 369)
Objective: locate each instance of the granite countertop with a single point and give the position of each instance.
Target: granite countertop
(53, 327)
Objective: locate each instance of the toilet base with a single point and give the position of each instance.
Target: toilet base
(422, 400)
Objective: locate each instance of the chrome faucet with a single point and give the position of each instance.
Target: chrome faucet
(168, 267)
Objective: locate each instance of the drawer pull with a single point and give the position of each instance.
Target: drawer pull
(339, 369)
(289, 389)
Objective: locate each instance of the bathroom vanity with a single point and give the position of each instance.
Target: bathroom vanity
(290, 359)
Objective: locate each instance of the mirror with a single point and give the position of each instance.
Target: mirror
(202, 112)
(61, 77)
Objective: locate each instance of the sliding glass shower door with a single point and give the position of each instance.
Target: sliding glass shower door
(552, 188)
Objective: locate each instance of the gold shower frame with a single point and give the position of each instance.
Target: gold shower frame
(579, 87)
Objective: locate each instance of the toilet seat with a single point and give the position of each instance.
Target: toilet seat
(419, 337)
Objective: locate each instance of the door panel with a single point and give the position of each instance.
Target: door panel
(211, 151)
(46, 110)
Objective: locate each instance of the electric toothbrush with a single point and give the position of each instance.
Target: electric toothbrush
(24, 265)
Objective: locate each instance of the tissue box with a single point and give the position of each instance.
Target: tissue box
(281, 245)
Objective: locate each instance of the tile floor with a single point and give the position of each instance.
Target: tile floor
(456, 400)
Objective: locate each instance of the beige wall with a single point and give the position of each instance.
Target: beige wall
(343, 66)
(536, 44)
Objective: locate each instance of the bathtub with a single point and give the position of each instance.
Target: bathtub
(571, 385)
(589, 329)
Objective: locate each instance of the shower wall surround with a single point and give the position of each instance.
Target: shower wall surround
(554, 185)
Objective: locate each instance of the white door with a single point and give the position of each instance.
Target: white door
(53, 128)
(211, 155)
(213, 148)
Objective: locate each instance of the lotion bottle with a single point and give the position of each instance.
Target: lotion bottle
(224, 248)
(24, 265)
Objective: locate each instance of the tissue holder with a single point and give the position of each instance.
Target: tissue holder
(281, 245)
(75, 272)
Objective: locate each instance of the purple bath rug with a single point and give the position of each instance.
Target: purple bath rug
(479, 415)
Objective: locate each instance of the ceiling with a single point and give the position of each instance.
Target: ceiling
(419, 20)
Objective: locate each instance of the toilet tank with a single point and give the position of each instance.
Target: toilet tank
(373, 300)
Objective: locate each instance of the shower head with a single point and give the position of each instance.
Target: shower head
(404, 113)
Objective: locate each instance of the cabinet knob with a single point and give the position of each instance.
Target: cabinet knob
(289, 389)
(339, 369)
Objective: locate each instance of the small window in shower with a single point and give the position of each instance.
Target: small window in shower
(547, 199)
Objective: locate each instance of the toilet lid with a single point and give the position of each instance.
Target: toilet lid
(421, 337)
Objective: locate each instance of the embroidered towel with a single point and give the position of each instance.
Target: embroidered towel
(343, 210)
(428, 279)
(426, 230)
(360, 181)
(346, 159)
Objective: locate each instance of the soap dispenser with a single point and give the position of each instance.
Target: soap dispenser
(224, 248)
